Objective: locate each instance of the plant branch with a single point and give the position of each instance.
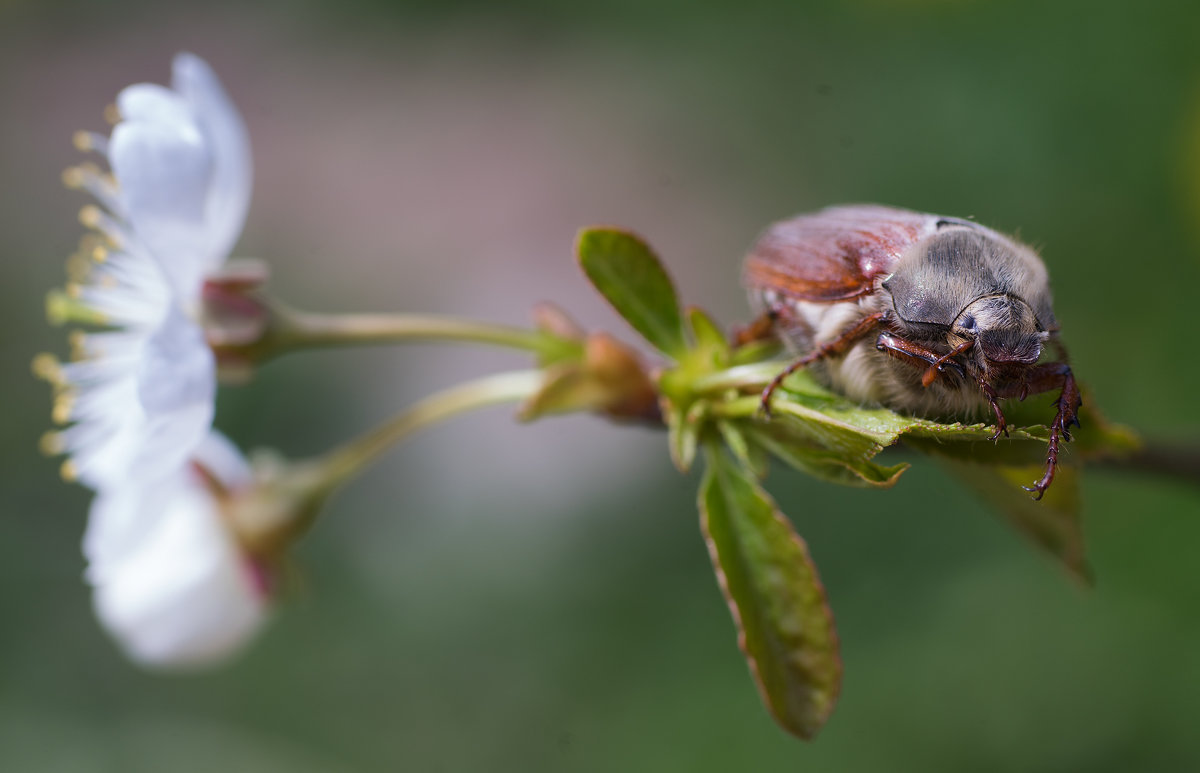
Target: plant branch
(1175, 461)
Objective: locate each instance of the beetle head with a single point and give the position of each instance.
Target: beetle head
(1004, 328)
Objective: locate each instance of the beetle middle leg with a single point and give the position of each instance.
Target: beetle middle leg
(839, 345)
(764, 327)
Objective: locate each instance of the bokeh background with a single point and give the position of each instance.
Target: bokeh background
(495, 597)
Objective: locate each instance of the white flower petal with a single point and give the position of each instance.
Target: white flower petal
(152, 103)
(142, 400)
(177, 389)
(170, 582)
(222, 459)
(233, 176)
(163, 173)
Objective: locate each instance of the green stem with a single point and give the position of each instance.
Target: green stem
(740, 408)
(284, 506)
(345, 462)
(297, 329)
(756, 374)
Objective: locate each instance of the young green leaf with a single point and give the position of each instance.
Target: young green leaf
(708, 337)
(630, 277)
(785, 626)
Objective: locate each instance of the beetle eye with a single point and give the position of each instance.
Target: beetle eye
(968, 322)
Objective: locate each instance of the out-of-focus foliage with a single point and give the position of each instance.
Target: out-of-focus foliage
(537, 598)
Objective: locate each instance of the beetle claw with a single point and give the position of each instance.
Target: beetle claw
(764, 401)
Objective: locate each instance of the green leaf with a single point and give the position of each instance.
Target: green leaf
(803, 398)
(785, 626)
(835, 466)
(752, 456)
(708, 337)
(630, 277)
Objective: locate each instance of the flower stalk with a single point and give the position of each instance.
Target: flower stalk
(287, 497)
(245, 326)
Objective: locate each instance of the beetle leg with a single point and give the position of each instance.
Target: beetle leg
(762, 328)
(993, 400)
(1043, 378)
(837, 346)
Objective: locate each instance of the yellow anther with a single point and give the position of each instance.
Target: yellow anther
(78, 268)
(72, 177)
(69, 472)
(47, 368)
(74, 291)
(100, 253)
(51, 444)
(90, 216)
(77, 340)
(63, 404)
(112, 113)
(82, 141)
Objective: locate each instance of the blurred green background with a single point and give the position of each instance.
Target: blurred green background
(503, 598)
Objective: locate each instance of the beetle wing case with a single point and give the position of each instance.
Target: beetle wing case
(834, 254)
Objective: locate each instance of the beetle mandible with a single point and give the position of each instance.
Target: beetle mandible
(922, 313)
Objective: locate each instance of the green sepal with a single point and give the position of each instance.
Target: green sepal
(683, 433)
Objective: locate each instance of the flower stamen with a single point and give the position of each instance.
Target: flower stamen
(86, 142)
(88, 177)
(52, 444)
(112, 230)
(47, 367)
(77, 340)
(64, 406)
(63, 307)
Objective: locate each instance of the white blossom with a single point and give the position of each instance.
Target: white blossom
(172, 585)
(140, 394)
(171, 582)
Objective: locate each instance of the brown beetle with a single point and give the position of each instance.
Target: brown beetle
(922, 313)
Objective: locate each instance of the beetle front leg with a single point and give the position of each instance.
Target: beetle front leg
(993, 401)
(1043, 378)
(838, 346)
